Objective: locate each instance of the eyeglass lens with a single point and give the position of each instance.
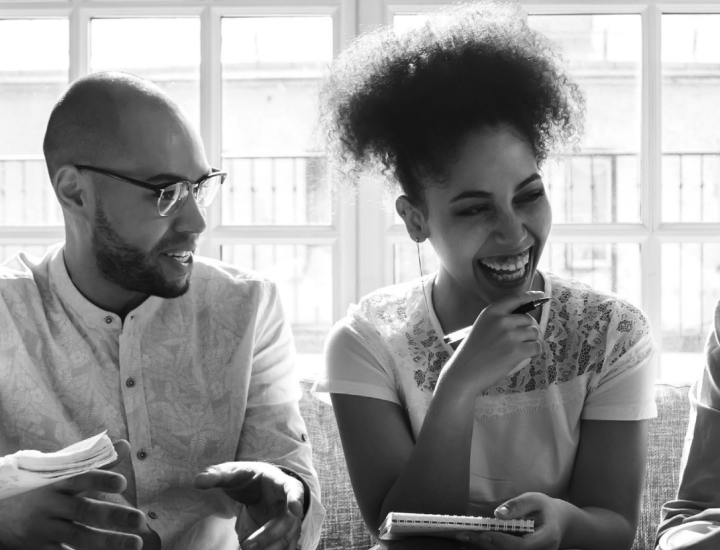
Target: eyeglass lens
(172, 197)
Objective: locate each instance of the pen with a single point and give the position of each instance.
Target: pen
(454, 338)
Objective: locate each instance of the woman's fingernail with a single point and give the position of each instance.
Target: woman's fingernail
(463, 537)
(503, 510)
(252, 545)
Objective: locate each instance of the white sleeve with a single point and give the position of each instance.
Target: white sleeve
(625, 388)
(357, 364)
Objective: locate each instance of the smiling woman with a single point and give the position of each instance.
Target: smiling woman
(538, 415)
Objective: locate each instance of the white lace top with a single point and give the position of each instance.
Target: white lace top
(597, 364)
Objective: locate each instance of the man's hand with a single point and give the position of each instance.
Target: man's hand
(274, 501)
(58, 514)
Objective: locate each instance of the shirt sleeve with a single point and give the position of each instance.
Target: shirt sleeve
(356, 364)
(698, 496)
(273, 429)
(625, 388)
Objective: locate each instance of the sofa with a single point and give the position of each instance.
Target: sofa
(344, 528)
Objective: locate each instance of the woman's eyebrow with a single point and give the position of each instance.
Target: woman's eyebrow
(486, 195)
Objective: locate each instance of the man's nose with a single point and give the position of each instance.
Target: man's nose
(190, 218)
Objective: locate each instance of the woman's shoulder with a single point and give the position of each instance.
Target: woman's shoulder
(595, 327)
(573, 301)
(391, 306)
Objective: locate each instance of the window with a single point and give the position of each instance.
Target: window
(636, 210)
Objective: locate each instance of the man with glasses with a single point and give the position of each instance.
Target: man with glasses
(187, 363)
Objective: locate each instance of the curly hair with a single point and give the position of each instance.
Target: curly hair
(399, 106)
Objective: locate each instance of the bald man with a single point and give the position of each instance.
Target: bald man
(187, 363)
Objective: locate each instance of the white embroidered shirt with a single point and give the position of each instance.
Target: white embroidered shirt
(198, 380)
(597, 363)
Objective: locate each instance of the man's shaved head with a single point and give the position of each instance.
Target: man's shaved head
(85, 126)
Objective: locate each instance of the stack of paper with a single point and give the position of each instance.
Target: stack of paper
(27, 470)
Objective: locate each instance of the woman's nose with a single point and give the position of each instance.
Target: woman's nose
(510, 229)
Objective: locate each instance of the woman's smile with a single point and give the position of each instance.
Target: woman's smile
(512, 270)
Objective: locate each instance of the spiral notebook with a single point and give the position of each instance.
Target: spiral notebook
(400, 524)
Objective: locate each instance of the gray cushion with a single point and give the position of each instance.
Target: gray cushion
(665, 443)
(343, 528)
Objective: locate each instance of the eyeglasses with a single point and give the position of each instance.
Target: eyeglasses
(172, 195)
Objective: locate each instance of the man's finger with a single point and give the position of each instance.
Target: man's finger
(94, 480)
(281, 532)
(295, 496)
(81, 537)
(236, 475)
(122, 449)
(102, 515)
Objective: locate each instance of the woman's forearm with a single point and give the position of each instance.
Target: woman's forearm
(436, 476)
(596, 529)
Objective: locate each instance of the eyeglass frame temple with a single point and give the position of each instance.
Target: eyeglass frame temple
(157, 188)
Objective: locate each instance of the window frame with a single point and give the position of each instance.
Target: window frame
(362, 233)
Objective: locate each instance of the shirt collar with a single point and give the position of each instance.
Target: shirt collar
(91, 314)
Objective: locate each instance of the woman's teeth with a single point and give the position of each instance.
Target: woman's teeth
(507, 268)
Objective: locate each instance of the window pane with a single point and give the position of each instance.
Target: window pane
(276, 190)
(406, 263)
(270, 89)
(303, 274)
(31, 80)
(691, 118)
(613, 267)
(163, 50)
(690, 290)
(604, 55)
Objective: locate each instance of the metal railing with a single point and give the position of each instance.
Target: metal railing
(589, 188)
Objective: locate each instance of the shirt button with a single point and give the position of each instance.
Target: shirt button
(130, 382)
(152, 515)
(108, 319)
(304, 437)
(142, 455)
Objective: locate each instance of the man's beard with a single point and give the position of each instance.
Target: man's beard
(128, 266)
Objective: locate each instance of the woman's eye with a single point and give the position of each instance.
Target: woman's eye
(474, 210)
(532, 197)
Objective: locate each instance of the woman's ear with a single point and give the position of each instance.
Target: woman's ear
(414, 219)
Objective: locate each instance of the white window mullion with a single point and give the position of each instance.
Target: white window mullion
(651, 169)
(79, 43)
(345, 216)
(211, 116)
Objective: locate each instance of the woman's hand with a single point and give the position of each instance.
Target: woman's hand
(498, 342)
(549, 515)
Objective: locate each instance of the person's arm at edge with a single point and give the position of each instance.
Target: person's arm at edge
(698, 495)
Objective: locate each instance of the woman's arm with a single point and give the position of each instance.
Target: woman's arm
(392, 472)
(607, 483)
(604, 501)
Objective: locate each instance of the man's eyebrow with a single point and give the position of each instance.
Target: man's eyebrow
(485, 195)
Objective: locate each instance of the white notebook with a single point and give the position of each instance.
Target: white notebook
(400, 524)
(26, 470)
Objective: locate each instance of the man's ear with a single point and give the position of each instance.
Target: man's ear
(72, 191)
(414, 218)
